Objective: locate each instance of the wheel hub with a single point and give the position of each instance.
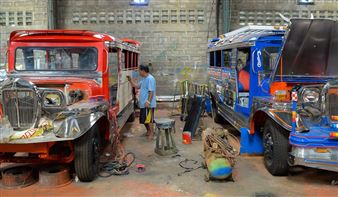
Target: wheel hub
(96, 151)
(268, 147)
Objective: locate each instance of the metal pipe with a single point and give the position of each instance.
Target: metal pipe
(226, 15)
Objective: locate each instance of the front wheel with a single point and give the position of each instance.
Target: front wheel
(276, 148)
(87, 155)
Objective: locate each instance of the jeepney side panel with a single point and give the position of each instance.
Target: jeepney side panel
(229, 80)
(215, 78)
(262, 101)
(222, 80)
(124, 95)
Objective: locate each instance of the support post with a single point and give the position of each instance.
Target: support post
(226, 15)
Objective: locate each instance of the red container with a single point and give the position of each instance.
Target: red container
(186, 137)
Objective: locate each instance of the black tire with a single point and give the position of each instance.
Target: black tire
(217, 117)
(87, 155)
(131, 117)
(214, 111)
(276, 148)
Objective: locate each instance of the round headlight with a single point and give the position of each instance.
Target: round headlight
(53, 99)
(311, 95)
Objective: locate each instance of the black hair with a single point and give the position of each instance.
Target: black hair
(144, 68)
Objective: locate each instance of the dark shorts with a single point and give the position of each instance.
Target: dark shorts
(144, 112)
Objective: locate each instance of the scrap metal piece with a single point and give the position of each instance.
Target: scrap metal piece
(219, 153)
(18, 177)
(54, 176)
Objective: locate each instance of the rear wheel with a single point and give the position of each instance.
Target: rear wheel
(87, 155)
(276, 148)
(216, 116)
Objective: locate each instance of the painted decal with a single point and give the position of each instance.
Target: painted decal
(259, 62)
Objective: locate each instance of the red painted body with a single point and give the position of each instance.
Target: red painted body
(91, 87)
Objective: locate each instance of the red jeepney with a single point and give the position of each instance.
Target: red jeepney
(66, 96)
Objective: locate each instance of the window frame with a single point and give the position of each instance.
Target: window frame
(212, 54)
(64, 70)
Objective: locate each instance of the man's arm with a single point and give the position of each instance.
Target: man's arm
(133, 83)
(151, 89)
(150, 97)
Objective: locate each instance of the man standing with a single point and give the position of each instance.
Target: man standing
(147, 101)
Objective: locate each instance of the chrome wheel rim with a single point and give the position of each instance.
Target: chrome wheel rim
(268, 148)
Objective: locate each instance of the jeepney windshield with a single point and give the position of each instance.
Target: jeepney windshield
(56, 58)
(310, 50)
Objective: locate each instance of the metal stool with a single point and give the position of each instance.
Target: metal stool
(165, 144)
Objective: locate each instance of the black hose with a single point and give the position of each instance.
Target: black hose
(183, 164)
(116, 168)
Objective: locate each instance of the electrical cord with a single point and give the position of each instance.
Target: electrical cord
(183, 164)
(115, 167)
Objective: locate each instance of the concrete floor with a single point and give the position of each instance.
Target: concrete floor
(161, 175)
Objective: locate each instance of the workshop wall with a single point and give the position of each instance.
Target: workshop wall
(20, 14)
(173, 33)
(265, 12)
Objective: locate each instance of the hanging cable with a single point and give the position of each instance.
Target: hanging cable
(117, 168)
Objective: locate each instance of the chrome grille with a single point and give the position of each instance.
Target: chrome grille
(20, 106)
(333, 103)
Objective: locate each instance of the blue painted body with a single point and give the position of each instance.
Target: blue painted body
(207, 104)
(317, 136)
(251, 144)
(225, 76)
(220, 77)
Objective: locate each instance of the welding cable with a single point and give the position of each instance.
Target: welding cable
(183, 164)
(116, 168)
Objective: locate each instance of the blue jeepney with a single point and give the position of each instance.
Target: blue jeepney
(279, 88)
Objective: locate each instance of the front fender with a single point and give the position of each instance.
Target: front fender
(70, 124)
(281, 117)
(76, 125)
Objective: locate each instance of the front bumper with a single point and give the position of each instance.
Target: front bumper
(321, 158)
(74, 122)
(315, 149)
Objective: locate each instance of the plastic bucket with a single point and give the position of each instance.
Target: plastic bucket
(186, 137)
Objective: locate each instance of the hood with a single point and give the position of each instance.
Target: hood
(310, 49)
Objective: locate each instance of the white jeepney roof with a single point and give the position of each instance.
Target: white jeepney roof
(246, 34)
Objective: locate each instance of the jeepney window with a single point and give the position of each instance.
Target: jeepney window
(125, 65)
(219, 58)
(56, 58)
(123, 60)
(269, 57)
(131, 57)
(243, 69)
(227, 58)
(243, 59)
(113, 76)
(211, 59)
(136, 60)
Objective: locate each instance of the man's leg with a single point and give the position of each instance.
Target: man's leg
(143, 115)
(151, 125)
(148, 129)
